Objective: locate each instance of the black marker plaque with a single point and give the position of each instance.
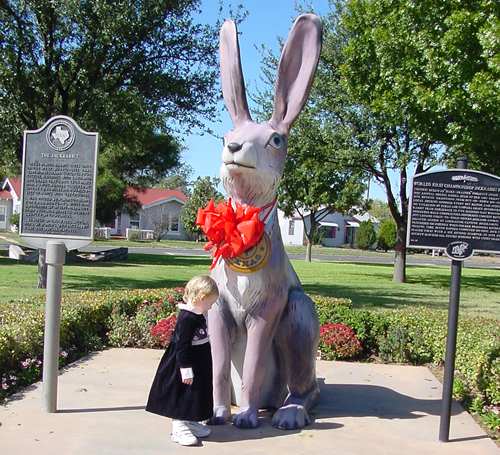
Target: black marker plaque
(59, 173)
(457, 210)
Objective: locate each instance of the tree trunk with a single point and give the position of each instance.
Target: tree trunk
(308, 250)
(42, 270)
(310, 235)
(400, 256)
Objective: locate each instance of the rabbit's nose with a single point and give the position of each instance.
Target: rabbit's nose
(234, 147)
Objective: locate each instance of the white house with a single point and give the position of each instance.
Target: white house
(10, 200)
(159, 209)
(292, 229)
(336, 229)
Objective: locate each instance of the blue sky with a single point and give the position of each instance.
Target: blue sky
(266, 21)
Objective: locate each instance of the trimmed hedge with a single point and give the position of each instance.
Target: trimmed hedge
(89, 321)
(92, 320)
(417, 335)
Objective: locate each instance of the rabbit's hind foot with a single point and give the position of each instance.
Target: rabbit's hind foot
(291, 417)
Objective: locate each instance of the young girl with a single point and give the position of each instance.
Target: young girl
(182, 387)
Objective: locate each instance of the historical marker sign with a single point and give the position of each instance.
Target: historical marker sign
(456, 210)
(58, 184)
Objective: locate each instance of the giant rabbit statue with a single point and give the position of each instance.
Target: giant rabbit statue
(264, 329)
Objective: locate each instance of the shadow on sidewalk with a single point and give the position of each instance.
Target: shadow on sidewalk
(342, 400)
(364, 400)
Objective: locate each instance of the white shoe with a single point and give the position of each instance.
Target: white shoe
(198, 429)
(183, 435)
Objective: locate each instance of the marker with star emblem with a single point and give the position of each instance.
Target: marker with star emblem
(57, 214)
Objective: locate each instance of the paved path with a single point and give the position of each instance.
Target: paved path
(365, 409)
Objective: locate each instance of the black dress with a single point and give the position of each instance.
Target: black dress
(189, 348)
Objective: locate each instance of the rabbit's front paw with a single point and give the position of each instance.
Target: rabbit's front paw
(222, 414)
(291, 417)
(246, 419)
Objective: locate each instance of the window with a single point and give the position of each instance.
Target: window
(328, 232)
(135, 221)
(2, 215)
(174, 223)
(291, 227)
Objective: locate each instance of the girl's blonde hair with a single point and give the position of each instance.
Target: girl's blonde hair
(199, 287)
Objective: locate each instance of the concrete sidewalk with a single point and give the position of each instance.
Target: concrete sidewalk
(364, 408)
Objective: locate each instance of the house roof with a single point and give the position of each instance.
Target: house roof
(5, 194)
(148, 196)
(366, 216)
(15, 184)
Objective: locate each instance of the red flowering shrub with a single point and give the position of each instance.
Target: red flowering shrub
(162, 331)
(338, 342)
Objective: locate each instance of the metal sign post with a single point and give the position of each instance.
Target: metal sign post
(57, 214)
(451, 341)
(458, 211)
(55, 257)
(451, 347)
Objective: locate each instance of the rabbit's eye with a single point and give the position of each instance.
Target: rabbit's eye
(277, 141)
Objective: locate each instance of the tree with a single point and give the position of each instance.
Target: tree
(437, 61)
(131, 70)
(14, 221)
(378, 140)
(426, 74)
(315, 180)
(42, 270)
(379, 209)
(159, 228)
(392, 74)
(365, 236)
(178, 178)
(387, 234)
(204, 189)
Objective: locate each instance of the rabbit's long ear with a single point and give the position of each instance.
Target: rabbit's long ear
(233, 85)
(297, 66)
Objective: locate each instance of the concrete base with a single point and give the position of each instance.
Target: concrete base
(364, 409)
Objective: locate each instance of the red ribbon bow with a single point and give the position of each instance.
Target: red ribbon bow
(230, 231)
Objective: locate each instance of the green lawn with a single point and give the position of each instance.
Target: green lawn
(369, 286)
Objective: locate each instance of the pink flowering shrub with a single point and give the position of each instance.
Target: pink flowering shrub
(338, 342)
(162, 331)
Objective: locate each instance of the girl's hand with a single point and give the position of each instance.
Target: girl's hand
(188, 381)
